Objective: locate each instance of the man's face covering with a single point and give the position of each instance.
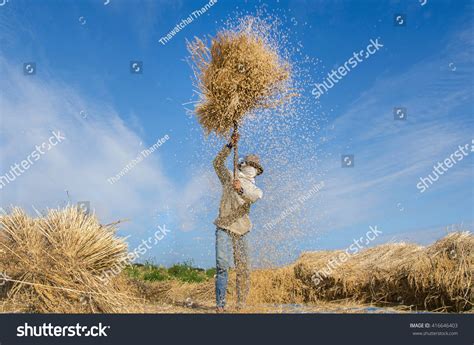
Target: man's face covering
(248, 171)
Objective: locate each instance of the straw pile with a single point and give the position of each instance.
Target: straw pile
(438, 277)
(277, 285)
(174, 291)
(443, 277)
(53, 263)
(240, 72)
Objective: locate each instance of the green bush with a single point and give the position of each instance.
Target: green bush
(186, 273)
(133, 272)
(155, 275)
(183, 271)
(211, 272)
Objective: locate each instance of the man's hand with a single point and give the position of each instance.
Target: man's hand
(237, 185)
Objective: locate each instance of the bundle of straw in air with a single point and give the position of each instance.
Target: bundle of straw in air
(55, 263)
(239, 73)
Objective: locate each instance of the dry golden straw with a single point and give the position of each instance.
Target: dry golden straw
(406, 276)
(53, 263)
(239, 73)
(438, 277)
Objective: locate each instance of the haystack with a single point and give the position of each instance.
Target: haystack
(277, 285)
(443, 277)
(239, 73)
(54, 263)
(438, 277)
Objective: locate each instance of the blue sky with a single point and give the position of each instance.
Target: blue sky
(84, 88)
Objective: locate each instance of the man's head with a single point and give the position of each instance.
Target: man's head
(251, 166)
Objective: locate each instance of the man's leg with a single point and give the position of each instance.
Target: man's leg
(242, 268)
(222, 266)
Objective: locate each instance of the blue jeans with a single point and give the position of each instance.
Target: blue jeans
(240, 251)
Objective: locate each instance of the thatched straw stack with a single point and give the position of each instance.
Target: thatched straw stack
(54, 263)
(239, 73)
(443, 277)
(277, 285)
(438, 277)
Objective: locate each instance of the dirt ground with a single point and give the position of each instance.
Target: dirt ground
(323, 307)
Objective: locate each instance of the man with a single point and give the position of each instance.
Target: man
(233, 221)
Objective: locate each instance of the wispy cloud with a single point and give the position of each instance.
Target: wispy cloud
(391, 155)
(98, 145)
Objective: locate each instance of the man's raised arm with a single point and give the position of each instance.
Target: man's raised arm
(219, 162)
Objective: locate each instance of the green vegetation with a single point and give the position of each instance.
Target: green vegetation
(183, 271)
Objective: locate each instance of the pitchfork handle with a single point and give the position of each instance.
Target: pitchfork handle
(236, 150)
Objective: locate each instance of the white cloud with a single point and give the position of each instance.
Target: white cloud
(96, 148)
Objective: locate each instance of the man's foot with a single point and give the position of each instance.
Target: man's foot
(220, 310)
